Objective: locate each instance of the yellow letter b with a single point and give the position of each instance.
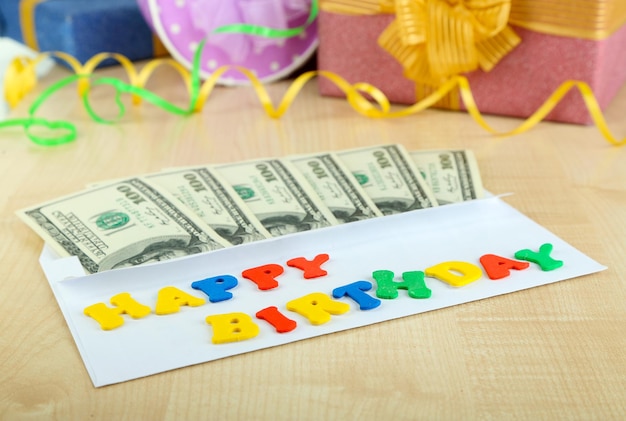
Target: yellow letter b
(232, 327)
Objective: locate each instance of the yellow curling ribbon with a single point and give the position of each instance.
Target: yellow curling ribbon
(356, 94)
(17, 82)
(480, 26)
(437, 39)
(20, 78)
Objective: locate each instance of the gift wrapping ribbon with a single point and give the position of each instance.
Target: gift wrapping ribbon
(437, 39)
(593, 20)
(27, 22)
(588, 19)
(362, 97)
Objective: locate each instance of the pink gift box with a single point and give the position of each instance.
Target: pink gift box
(517, 86)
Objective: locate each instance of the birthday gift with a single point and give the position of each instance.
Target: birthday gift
(81, 28)
(189, 265)
(514, 53)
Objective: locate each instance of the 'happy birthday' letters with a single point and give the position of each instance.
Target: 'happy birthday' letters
(318, 308)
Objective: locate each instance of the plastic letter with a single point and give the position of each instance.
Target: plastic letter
(170, 299)
(264, 276)
(317, 307)
(413, 282)
(542, 258)
(110, 318)
(498, 267)
(457, 274)
(232, 327)
(278, 320)
(216, 288)
(356, 291)
(311, 268)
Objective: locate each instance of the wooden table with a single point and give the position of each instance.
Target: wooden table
(553, 352)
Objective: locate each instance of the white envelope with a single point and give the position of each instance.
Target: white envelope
(406, 242)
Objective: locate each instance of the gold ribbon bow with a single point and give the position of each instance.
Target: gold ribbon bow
(437, 39)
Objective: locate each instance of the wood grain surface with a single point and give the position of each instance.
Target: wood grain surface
(548, 353)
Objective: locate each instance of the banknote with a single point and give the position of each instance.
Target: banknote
(453, 175)
(277, 195)
(390, 178)
(336, 186)
(125, 223)
(209, 197)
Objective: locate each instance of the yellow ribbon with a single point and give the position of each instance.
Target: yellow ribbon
(27, 22)
(587, 19)
(21, 76)
(437, 39)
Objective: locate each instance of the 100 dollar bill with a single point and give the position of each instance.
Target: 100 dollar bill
(453, 175)
(209, 197)
(389, 176)
(126, 223)
(277, 195)
(336, 186)
(184, 211)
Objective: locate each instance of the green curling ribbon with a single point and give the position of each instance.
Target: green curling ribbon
(65, 132)
(68, 131)
(122, 87)
(33, 122)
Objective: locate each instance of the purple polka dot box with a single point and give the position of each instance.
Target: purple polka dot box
(183, 24)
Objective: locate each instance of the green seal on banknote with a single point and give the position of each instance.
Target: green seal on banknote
(112, 220)
(361, 178)
(244, 192)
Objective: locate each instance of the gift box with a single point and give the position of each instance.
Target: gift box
(81, 28)
(514, 53)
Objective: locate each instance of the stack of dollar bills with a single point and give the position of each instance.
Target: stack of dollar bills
(183, 211)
